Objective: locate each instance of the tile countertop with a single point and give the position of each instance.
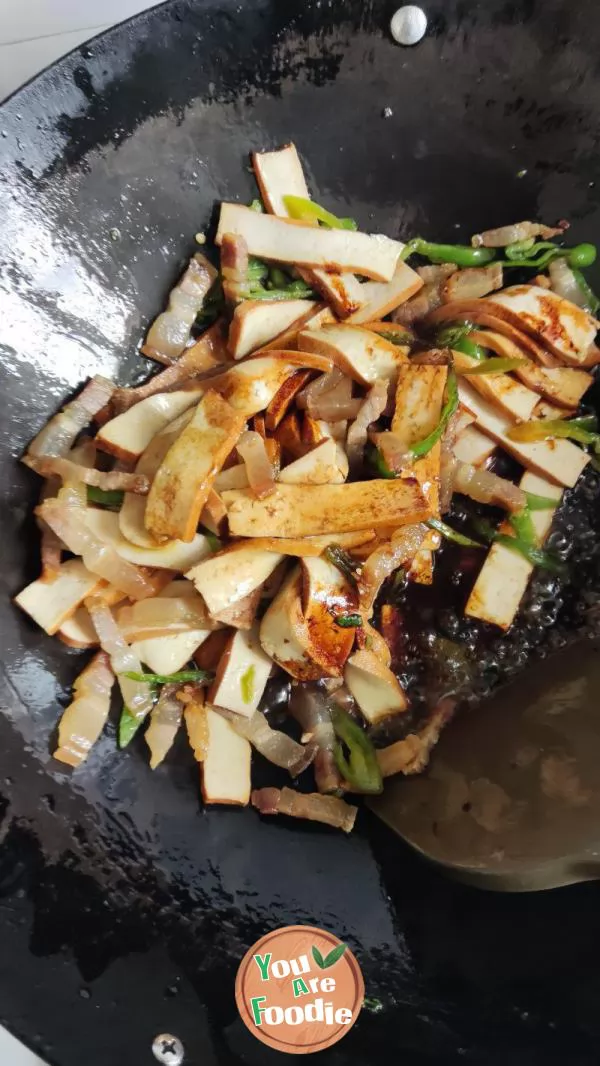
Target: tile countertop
(33, 34)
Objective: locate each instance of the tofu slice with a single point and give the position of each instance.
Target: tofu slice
(78, 630)
(503, 390)
(225, 769)
(374, 687)
(51, 603)
(504, 576)
(307, 510)
(280, 174)
(250, 386)
(318, 467)
(129, 434)
(564, 385)
(227, 578)
(286, 241)
(560, 460)
(363, 355)
(473, 446)
(256, 322)
(242, 674)
(288, 341)
(284, 398)
(418, 408)
(172, 555)
(185, 477)
(167, 655)
(567, 330)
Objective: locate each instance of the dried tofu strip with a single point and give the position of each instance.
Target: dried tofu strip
(251, 385)
(288, 341)
(225, 769)
(307, 547)
(419, 400)
(257, 322)
(505, 575)
(563, 385)
(473, 446)
(560, 460)
(51, 603)
(242, 674)
(280, 174)
(171, 555)
(567, 330)
(285, 241)
(185, 476)
(318, 467)
(364, 356)
(306, 510)
(515, 399)
(128, 435)
(228, 577)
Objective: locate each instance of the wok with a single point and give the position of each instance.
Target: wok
(125, 907)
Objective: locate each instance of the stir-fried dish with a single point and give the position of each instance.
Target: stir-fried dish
(233, 539)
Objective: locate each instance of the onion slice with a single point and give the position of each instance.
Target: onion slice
(382, 562)
(485, 487)
(371, 409)
(308, 705)
(564, 283)
(58, 436)
(274, 745)
(66, 516)
(84, 718)
(137, 695)
(165, 720)
(518, 231)
(312, 805)
(259, 468)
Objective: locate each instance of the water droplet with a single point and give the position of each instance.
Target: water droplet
(387, 112)
(85, 993)
(114, 234)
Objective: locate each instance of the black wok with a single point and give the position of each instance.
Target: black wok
(125, 909)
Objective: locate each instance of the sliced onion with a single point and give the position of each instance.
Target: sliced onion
(66, 516)
(234, 267)
(371, 409)
(58, 436)
(518, 231)
(313, 806)
(401, 550)
(484, 487)
(165, 720)
(334, 403)
(170, 331)
(432, 357)
(473, 283)
(137, 695)
(317, 388)
(308, 705)
(84, 718)
(259, 469)
(564, 283)
(164, 617)
(394, 450)
(107, 480)
(274, 745)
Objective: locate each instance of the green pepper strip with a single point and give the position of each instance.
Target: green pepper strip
(344, 562)
(307, 210)
(452, 534)
(592, 301)
(537, 256)
(457, 338)
(214, 543)
(377, 462)
(572, 428)
(396, 338)
(463, 255)
(167, 679)
(361, 769)
(540, 503)
(296, 290)
(105, 497)
(524, 527)
(128, 727)
(493, 366)
(348, 621)
(535, 556)
(449, 408)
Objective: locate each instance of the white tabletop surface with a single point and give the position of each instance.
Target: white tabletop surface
(33, 33)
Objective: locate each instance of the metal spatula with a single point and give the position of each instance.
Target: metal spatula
(511, 799)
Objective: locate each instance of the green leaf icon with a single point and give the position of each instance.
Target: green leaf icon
(316, 954)
(332, 958)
